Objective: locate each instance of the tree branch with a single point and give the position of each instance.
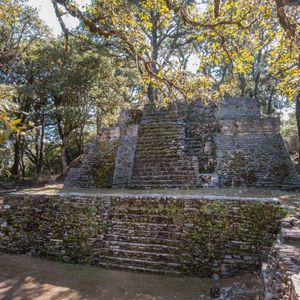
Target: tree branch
(284, 20)
(62, 25)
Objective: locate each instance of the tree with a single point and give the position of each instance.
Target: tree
(20, 28)
(77, 83)
(8, 123)
(152, 35)
(223, 22)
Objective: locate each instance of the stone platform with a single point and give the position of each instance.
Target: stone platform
(188, 146)
(168, 232)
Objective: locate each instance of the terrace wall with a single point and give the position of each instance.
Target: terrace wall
(165, 234)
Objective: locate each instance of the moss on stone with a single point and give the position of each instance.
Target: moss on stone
(104, 171)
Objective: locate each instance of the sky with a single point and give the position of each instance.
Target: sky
(47, 14)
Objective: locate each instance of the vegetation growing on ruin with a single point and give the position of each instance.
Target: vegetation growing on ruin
(56, 92)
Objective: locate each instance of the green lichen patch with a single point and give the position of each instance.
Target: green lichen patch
(224, 236)
(63, 229)
(104, 170)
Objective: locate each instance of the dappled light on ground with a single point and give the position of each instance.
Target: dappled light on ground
(27, 278)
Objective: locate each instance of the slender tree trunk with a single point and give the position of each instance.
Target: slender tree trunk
(40, 160)
(242, 85)
(23, 166)
(64, 159)
(99, 120)
(269, 107)
(298, 118)
(16, 164)
(152, 92)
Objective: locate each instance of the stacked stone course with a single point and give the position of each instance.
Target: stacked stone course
(250, 149)
(163, 234)
(189, 146)
(160, 157)
(281, 273)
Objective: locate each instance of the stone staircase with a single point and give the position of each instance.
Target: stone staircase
(140, 239)
(161, 160)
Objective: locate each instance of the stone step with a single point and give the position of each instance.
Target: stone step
(144, 239)
(136, 262)
(168, 154)
(161, 141)
(151, 181)
(142, 218)
(147, 256)
(166, 169)
(146, 132)
(145, 247)
(154, 207)
(158, 185)
(176, 162)
(166, 150)
(138, 269)
(167, 130)
(143, 226)
(171, 146)
(162, 120)
(154, 177)
(291, 234)
(151, 234)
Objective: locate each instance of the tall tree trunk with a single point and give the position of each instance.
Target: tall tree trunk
(242, 85)
(40, 160)
(16, 164)
(99, 120)
(269, 105)
(152, 92)
(298, 118)
(64, 155)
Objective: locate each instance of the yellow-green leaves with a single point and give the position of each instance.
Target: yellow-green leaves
(8, 124)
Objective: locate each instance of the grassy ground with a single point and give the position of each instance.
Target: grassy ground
(285, 196)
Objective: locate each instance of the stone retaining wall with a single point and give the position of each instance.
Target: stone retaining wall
(165, 234)
(281, 273)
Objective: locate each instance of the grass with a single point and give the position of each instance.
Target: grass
(237, 192)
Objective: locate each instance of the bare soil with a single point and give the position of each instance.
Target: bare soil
(27, 278)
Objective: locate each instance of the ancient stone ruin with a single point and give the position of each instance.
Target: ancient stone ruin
(171, 232)
(188, 146)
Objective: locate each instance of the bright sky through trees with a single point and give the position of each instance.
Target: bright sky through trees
(46, 12)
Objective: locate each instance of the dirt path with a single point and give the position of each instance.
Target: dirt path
(23, 278)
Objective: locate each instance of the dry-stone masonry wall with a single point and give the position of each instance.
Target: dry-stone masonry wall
(189, 146)
(250, 150)
(108, 159)
(125, 156)
(165, 234)
(281, 273)
(98, 163)
(160, 157)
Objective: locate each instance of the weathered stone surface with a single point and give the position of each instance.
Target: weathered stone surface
(160, 157)
(189, 146)
(250, 149)
(125, 156)
(98, 163)
(281, 273)
(198, 235)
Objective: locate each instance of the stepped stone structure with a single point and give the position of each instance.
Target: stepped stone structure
(188, 146)
(169, 234)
